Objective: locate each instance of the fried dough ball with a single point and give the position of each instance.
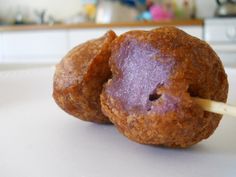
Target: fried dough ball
(80, 76)
(155, 75)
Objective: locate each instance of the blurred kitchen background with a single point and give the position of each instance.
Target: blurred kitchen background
(40, 32)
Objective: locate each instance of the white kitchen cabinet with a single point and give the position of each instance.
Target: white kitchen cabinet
(34, 46)
(1, 49)
(49, 46)
(196, 31)
(77, 36)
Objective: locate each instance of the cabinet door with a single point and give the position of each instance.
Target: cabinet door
(34, 46)
(196, 31)
(78, 36)
(1, 49)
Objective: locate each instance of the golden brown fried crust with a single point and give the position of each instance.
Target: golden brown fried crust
(173, 119)
(79, 78)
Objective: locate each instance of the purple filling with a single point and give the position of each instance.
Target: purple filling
(141, 70)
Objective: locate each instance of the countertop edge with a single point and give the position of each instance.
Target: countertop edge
(190, 22)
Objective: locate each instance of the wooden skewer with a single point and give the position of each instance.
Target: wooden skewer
(216, 107)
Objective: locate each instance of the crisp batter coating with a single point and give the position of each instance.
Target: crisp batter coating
(80, 76)
(155, 75)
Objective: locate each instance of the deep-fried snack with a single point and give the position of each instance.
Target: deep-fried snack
(155, 75)
(80, 76)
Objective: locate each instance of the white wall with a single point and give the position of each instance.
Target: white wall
(66, 8)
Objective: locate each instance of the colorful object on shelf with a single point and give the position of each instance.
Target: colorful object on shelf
(90, 8)
(146, 15)
(133, 2)
(149, 3)
(160, 12)
(169, 9)
(184, 9)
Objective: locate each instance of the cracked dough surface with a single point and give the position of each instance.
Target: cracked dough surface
(80, 76)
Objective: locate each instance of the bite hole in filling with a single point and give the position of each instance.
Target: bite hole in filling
(154, 97)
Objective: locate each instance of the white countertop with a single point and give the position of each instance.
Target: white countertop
(37, 139)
